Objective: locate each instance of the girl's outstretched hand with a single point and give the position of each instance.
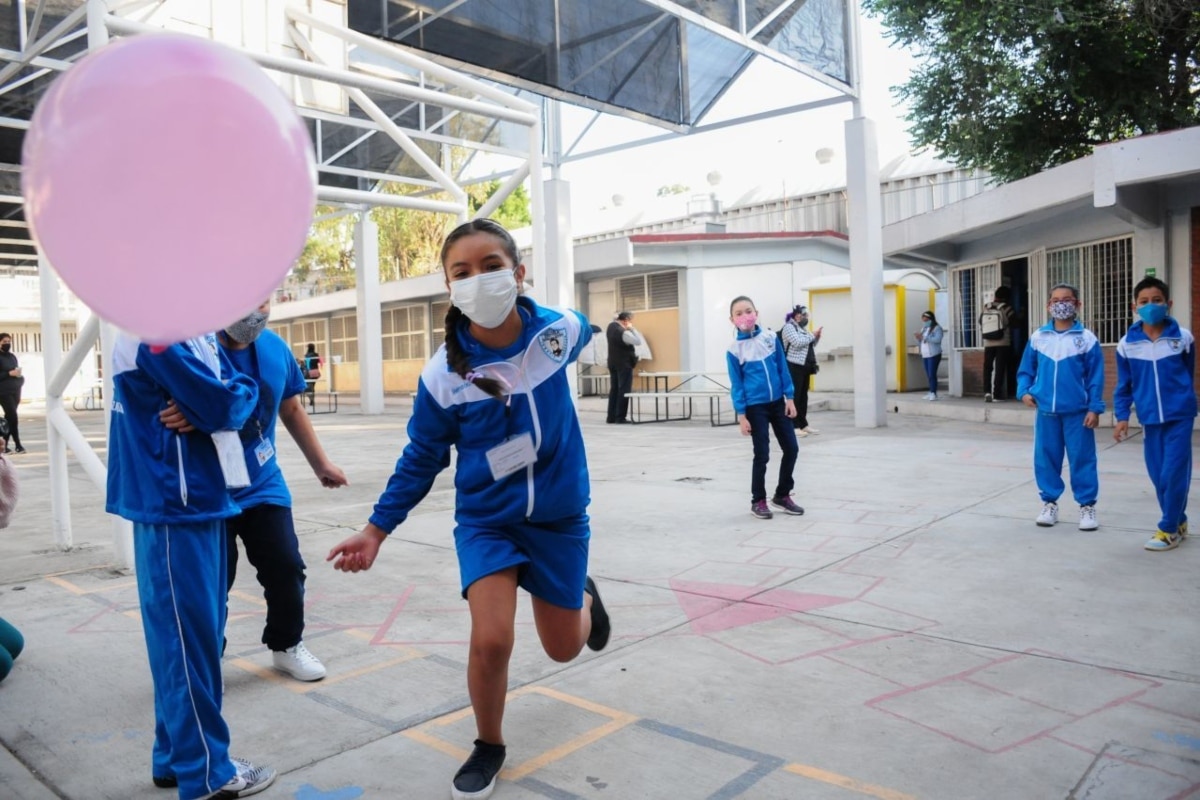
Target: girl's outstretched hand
(359, 551)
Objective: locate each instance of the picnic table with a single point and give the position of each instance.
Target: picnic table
(674, 394)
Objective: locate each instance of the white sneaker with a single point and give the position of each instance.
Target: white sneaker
(928, 396)
(801, 433)
(987, 398)
(934, 397)
(299, 663)
(248, 780)
(1087, 518)
(1049, 515)
(811, 431)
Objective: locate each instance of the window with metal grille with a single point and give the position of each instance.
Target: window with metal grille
(403, 333)
(968, 287)
(343, 338)
(437, 323)
(26, 342)
(648, 292)
(1103, 271)
(68, 339)
(307, 332)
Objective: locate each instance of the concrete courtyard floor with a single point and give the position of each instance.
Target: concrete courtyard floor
(913, 636)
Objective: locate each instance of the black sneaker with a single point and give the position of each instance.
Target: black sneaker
(601, 628)
(19, 449)
(165, 781)
(476, 778)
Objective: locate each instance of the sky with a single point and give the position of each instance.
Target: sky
(751, 154)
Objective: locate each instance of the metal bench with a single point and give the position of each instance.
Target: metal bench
(330, 398)
(663, 406)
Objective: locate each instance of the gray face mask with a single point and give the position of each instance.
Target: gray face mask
(248, 328)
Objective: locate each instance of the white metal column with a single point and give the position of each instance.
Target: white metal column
(370, 334)
(60, 490)
(866, 274)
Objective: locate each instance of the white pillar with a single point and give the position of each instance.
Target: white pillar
(60, 489)
(559, 289)
(370, 336)
(693, 347)
(866, 274)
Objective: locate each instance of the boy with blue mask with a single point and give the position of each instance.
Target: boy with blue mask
(1156, 361)
(1062, 376)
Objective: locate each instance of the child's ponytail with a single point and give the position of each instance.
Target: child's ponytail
(457, 358)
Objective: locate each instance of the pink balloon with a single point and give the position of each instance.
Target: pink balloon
(170, 184)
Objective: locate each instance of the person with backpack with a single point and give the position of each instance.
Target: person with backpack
(799, 347)
(994, 325)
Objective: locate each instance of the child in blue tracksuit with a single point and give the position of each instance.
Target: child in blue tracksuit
(174, 487)
(497, 392)
(1156, 362)
(761, 387)
(1062, 376)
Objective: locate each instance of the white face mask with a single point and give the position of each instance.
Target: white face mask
(487, 298)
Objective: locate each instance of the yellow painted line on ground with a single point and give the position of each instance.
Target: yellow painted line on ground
(269, 673)
(566, 748)
(824, 776)
(617, 721)
(63, 583)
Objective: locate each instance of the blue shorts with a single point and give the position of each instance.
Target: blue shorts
(551, 556)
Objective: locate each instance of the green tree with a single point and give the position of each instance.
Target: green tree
(513, 212)
(673, 188)
(1018, 87)
(329, 250)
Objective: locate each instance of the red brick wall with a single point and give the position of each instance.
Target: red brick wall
(972, 379)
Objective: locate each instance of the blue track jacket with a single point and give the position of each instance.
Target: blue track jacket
(156, 476)
(449, 411)
(1063, 370)
(758, 370)
(270, 362)
(1156, 377)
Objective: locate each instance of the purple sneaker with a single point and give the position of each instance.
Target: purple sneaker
(759, 509)
(787, 505)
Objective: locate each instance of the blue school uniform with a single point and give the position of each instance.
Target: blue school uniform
(172, 487)
(760, 382)
(1156, 378)
(508, 513)
(1064, 371)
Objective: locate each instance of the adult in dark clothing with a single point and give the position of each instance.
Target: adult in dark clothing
(997, 352)
(798, 344)
(11, 382)
(622, 357)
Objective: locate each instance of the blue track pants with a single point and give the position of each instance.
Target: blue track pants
(1168, 452)
(1054, 436)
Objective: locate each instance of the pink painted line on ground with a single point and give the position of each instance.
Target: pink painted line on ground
(1191, 791)
(863, 669)
(943, 680)
(1153, 707)
(796, 601)
(391, 617)
(1072, 745)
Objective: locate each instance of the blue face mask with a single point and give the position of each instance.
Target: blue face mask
(1152, 313)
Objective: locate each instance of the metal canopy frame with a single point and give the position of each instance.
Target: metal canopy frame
(435, 92)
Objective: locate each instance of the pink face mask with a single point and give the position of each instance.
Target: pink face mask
(746, 322)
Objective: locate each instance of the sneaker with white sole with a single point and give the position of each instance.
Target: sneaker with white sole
(801, 433)
(299, 663)
(1087, 518)
(1162, 540)
(788, 505)
(810, 431)
(759, 509)
(1183, 529)
(476, 779)
(987, 398)
(934, 397)
(250, 779)
(1049, 515)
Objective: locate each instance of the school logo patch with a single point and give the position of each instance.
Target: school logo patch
(554, 343)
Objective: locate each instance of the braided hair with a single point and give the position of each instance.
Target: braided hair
(456, 357)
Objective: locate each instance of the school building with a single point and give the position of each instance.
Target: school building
(677, 263)
(1101, 223)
